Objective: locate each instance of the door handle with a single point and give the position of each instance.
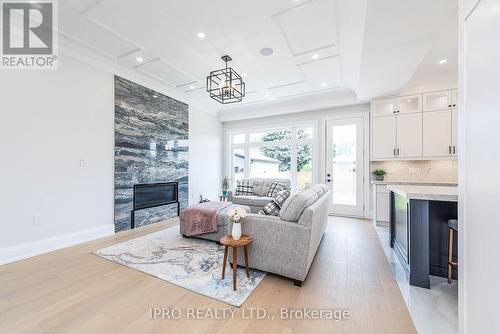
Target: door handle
(328, 180)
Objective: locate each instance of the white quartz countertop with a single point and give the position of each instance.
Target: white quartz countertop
(417, 183)
(426, 192)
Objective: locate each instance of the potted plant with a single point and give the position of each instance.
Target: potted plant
(379, 174)
(235, 215)
(225, 186)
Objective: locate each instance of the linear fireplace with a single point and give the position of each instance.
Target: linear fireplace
(154, 194)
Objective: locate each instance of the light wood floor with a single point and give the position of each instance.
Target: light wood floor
(73, 291)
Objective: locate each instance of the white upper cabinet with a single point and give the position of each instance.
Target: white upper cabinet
(437, 133)
(437, 100)
(409, 104)
(454, 98)
(384, 137)
(383, 107)
(454, 132)
(409, 136)
(419, 126)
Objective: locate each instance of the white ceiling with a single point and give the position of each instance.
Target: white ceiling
(320, 46)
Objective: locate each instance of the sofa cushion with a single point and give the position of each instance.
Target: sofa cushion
(243, 199)
(244, 187)
(258, 186)
(275, 188)
(321, 189)
(260, 200)
(269, 181)
(295, 204)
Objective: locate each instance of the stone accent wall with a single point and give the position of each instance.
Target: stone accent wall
(151, 145)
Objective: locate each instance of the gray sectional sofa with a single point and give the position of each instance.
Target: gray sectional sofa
(286, 244)
(259, 198)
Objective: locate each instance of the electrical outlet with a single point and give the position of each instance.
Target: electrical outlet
(390, 171)
(37, 220)
(413, 170)
(83, 163)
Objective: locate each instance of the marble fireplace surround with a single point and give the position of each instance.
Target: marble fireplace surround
(151, 146)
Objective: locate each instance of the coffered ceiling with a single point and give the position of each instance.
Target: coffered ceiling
(319, 46)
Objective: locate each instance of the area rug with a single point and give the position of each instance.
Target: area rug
(192, 263)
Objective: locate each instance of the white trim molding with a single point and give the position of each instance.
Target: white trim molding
(30, 249)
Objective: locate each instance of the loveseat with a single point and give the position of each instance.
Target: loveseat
(258, 199)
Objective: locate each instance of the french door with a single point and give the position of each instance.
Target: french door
(345, 165)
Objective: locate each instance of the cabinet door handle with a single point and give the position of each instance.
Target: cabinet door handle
(449, 149)
(398, 151)
(394, 153)
(454, 150)
(449, 105)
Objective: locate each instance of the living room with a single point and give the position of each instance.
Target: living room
(285, 166)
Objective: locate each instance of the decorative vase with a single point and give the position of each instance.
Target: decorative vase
(236, 233)
(224, 193)
(379, 177)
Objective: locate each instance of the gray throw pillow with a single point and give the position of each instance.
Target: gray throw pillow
(295, 205)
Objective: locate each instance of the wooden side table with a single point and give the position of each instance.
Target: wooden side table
(228, 241)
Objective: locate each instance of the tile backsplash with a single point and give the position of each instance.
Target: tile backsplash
(418, 170)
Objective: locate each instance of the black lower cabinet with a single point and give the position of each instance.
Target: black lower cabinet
(419, 236)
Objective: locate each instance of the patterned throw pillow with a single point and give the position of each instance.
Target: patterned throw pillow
(244, 187)
(275, 188)
(273, 208)
(281, 197)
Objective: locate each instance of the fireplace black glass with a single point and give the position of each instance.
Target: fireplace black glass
(154, 194)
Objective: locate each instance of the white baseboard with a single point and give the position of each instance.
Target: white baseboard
(29, 249)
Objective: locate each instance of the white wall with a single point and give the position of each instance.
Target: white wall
(205, 155)
(479, 166)
(49, 121)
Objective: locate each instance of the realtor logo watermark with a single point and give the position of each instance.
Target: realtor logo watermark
(29, 34)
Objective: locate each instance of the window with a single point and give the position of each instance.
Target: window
(238, 164)
(274, 153)
(270, 161)
(304, 166)
(273, 135)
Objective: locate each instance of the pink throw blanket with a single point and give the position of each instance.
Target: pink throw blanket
(202, 218)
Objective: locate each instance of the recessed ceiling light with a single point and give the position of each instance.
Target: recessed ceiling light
(267, 94)
(443, 61)
(315, 56)
(323, 84)
(266, 51)
(201, 35)
(244, 74)
(139, 59)
(191, 87)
